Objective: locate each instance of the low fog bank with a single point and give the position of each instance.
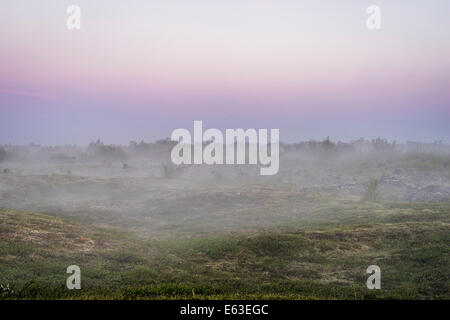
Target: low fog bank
(136, 187)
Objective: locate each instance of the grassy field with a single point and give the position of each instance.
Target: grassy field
(317, 260)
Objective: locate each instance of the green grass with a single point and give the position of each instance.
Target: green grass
(310, 259)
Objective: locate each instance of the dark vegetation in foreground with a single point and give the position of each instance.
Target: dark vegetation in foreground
(326, 260)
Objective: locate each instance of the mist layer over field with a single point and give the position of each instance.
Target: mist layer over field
(137, 188)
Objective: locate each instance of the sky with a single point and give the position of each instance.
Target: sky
(137, 70)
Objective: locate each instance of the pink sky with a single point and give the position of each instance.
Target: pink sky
(216, 60)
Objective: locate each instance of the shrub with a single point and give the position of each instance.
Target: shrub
(371, 191)
(2, 154)
(170, 170)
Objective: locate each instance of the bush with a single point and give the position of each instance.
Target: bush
(2, 154)
(170, 170)
(371, 191)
